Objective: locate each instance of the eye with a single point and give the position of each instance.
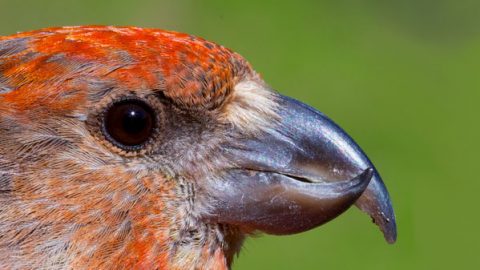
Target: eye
(129, 123)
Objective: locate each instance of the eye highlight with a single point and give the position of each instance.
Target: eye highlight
(129, 123)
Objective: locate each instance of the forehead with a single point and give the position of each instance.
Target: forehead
(61, 67)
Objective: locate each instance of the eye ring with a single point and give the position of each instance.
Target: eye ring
(129, 125)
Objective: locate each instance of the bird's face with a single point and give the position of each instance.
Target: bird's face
(137, 148)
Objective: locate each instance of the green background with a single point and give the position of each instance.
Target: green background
(402, 77)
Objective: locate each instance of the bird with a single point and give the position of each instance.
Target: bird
(138, 148)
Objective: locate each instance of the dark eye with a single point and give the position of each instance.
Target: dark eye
(129, 123)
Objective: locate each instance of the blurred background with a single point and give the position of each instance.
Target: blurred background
(402, 77)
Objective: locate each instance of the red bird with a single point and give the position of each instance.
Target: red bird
(131, 148)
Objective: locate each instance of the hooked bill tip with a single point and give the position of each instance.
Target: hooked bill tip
(375, 201)
(388, 227)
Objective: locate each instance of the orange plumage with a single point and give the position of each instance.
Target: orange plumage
(184, 65)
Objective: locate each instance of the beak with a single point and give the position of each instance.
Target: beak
(299, 174)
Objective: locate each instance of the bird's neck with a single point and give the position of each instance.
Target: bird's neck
(169, 237)
(131, 228)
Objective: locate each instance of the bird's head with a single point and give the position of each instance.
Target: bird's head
(138, 148)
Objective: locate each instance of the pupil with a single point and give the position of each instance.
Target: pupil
(135, 120)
